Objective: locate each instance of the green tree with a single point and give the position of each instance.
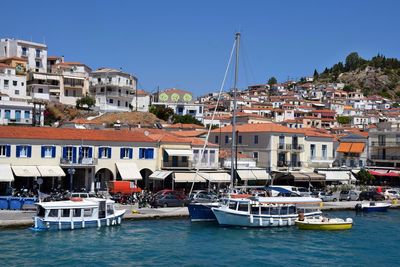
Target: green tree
(161, 112)
(187, 119)
(316, 75)
(348, 88)
(365, 177)
(353, 61)
(272, 81)
(86, 101)
(343, 119)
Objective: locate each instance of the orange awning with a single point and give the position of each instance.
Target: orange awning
(357, 148)
(344, 147)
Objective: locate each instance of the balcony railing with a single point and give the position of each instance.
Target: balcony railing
(114, 94)
(177, 165)
(289, 164)
(82, 161)
(379, 157)
(290, 147)
(385, 144)
(321, 158)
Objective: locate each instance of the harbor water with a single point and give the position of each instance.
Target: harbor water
(374, 240)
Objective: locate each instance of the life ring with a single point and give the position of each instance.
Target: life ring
(76, 199)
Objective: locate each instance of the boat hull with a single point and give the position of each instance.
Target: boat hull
(227, 218)
(324, 227)
(202, 212)
(41, 224)
(378, 207)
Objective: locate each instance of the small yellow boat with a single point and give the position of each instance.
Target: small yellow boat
(323, 223)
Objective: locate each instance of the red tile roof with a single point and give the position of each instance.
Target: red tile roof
(47, 133)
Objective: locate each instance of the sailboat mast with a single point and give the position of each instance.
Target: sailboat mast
(233, 147)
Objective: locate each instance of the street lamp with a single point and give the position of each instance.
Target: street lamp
(71, 172)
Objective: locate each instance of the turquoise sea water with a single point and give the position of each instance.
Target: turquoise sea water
(373, 241)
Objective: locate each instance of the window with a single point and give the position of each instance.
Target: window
(217, 139)
(22, 83)
(195, 155)
(16, 92)
(15, 83)
(105, 152)
(226, 139)
(7, 114)
(324, 151)
(126, 153)
(5, 150)
(111, 101)
(255, 155)
(24, 51)
(38, 52)
(204, 160)
(85, 152)
(87, 212)
(38, 64)
(281, 141)
(48, 151)
(53, 213)
(40, 91)
(146, 153)
(24, 151)
(68, 153)
(6, 83)
(27, 114)
(212, 156)
(119, 103)
(256, 139)
(65, 213)
(239, 139)
(312, 151)
(77, 212)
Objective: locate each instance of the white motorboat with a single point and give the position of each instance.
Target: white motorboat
(76, 213)
(266, 211)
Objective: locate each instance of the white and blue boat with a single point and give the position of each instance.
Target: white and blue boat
(77, 213)
(372, 206)
(267, 211)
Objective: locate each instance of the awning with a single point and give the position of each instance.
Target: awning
(38, 76)
(344, 147)
(351, 148)
(388, 174)
(73, 77)
(159, 175)
(26, 171)
(6, 174)
(51, 171)
(216, 177)
(188, 177)
(261, 174)
(128, 171)
(332, 176)
(179, 152)
(310, 176)
(246, 175)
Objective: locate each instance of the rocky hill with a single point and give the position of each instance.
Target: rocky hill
(379, 75)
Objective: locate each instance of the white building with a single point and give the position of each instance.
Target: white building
(35, 53)
(12, 84)
(19, 111)
(113, 89)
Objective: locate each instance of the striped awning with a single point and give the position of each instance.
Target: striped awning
(351, 148)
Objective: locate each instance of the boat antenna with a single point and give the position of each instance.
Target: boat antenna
(233, 150)
(213, 117)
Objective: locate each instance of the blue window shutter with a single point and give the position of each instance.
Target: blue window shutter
(109, 152)
(53, 151)
(100, 152)
(122, 150)
(18, 151)
(140, 153)
(29, 151)
(74, 159)
(43, 151)
(130, 153)
(90, 152)
(150, 154)
(64, 154)
(8, 151)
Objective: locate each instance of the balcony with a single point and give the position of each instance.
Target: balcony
(290, 147)
(385, 158)
(78, 162)
(114, 94)
(385, 144)
(177, 165)
(289, 165)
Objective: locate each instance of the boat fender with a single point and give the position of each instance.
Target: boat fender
(98, 223)
(59, 226)
(72, 225)
(271, 221)
(280, 222)
(108, 222)
(83, 224)
(251, 218)
(261, 223)
(119, 220)
(290, 221)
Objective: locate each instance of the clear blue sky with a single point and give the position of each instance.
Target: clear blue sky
(186, 44)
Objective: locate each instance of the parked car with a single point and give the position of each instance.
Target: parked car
(304, 192)
(82, 195)
(371, 195)
(165, 192)
(169, 200)
(348, 195)
(392, 194)
(202, 196)
(324, 196)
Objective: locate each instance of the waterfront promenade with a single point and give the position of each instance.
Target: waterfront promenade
(11, 219)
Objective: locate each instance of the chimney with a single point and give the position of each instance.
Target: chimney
(62, 59)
